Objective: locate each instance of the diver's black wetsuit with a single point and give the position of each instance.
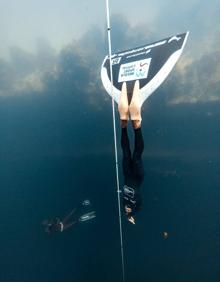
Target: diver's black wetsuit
(133, 169)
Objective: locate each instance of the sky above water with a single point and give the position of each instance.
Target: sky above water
(34, 27)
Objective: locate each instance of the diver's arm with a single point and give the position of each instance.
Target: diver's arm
(67, 226)
(69, 215)
(131, 220)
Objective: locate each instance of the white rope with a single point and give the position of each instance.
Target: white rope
(115, 140)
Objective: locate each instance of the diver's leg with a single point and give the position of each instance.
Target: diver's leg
(123, 106)
(138, 143)
(67, 226)
(125, 145)
(137, 155)
(135, 106)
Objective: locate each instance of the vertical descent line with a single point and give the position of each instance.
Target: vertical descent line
(115, 139)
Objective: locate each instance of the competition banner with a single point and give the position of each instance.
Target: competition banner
(150, 64)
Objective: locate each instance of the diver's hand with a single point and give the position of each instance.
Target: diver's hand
(131, 219)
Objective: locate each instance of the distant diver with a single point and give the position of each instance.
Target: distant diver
(133, 169)
(57, 225)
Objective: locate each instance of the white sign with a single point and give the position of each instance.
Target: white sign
(134, 70)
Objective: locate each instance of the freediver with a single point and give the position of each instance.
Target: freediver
(57, 225)
(132, 164)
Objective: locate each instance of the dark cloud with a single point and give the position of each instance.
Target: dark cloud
(6, 77)
(75, 70)
(23, 62)
(196, 81)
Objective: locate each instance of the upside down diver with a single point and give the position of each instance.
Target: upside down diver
(133, 169)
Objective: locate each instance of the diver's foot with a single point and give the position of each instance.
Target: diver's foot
(135, 106)
(123, 104)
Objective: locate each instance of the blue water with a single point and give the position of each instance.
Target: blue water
(56, 152)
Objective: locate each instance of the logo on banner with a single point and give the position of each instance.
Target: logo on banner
(116, 61)
(134, 70)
